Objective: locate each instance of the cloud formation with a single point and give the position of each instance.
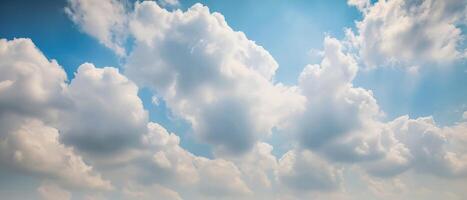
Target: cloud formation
(33, 144)
(301, 170)
(104, 20)
(27, 141)
(222, 86)
(410, 32)
(91, 138)
(105, 113)
(336, 113)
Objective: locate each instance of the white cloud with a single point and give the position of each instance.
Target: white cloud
(105, 20)
(305, 172)
(30, 102)
(220, 179)
(414, 186)
(336, 114)
(410, 32)
(105, 114)
(30, 84)
(422, 146)
(257, 166)
(362, 5)
(203, 70)
(209, 178)
(35, 148)
(342, 123)
(432, 148)
(223, 84)
(88, 118)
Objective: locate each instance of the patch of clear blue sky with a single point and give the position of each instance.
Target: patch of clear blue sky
(287, 29)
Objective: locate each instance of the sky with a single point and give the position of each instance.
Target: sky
(169, 99)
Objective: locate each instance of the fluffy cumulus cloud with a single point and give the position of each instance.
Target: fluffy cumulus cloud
(104, 20)
(35, 148)
(91, 138)
(421, 146)
(222, 86)
(431, 147)
(304, 171)
(30, 84)
(105, 114)
(31, 96)
(410, 32)
(342, 123)
(337, 114)
(33, 144)
(170, 165)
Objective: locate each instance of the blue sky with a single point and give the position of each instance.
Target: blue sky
(354, 106)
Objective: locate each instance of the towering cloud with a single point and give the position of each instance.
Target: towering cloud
(337, 115)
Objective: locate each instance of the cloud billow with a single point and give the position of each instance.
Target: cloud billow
(91, 137)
